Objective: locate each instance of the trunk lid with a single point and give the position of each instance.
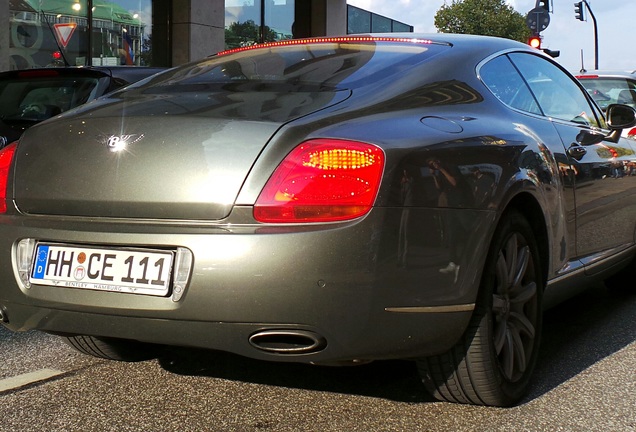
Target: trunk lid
(169, 156)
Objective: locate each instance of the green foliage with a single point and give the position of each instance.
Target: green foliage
(146, 52)
(482, 17)
(246, 33)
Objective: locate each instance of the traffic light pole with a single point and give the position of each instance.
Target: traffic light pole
(595, 35)
(589, 9)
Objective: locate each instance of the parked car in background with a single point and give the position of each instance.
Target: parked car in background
(607, 87)
(329, 201)
(30, 96)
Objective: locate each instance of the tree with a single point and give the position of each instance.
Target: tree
(246, 33)
(482, 17)
(146, 51)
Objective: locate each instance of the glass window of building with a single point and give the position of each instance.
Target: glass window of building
(362, 21)
(358, 20)
(399, 27)
(248, 22)
(80, 33)
(381, 24)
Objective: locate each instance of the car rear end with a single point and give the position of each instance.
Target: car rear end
(190, 211)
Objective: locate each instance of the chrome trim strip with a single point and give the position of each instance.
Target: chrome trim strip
(587, 265)
(566, 272)
(432, 309)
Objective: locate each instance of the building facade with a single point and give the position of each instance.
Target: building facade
(165, 32)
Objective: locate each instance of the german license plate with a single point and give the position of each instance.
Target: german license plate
(129, 270)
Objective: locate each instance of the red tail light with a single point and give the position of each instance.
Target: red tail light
(40, 73)
(6, 156)
(339, 39)
(322, 180)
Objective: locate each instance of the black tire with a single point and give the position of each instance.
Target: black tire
(493, 362)
(112, 348)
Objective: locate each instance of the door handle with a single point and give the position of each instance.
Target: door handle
(576, 151)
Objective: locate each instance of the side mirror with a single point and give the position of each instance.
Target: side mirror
(620, 116)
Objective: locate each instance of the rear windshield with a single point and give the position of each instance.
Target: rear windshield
(38, 99)
(323, 65)
(607, 91)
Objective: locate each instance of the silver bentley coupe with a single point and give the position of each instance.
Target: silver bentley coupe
(332, 201)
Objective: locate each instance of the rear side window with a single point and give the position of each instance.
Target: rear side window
(533, 84)
(557, 94)
(503, 79)
(326, 65)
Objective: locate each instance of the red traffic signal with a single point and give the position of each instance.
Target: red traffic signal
(535, 41)
(57, 55)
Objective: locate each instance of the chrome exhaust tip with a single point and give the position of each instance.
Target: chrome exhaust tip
(287, 342)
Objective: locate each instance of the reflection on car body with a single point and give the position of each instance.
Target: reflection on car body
(328, 201)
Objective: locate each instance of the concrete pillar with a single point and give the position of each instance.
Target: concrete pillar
(4, 36)
(336, 18)
(198, 29)
(328, 17)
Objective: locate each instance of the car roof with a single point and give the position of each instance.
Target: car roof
(451, 38)
(467, 43)
(605, 74)
(50, 72)
(129, 74)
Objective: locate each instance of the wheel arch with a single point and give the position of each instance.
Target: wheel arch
(526, 204)
(478, 370)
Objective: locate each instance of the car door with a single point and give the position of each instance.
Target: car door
(599, 168)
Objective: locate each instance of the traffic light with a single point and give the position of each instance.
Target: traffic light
(552, 53)
(578, 11)
(545, 4)
(535, 41)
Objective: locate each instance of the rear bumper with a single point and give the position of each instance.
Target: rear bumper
(360, 290)
(387, 338)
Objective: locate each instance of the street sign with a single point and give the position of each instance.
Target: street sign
(538, 19)
(63, 32)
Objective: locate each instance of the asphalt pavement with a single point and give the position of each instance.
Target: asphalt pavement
(585, 381)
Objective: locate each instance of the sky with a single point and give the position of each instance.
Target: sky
(616, 40)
